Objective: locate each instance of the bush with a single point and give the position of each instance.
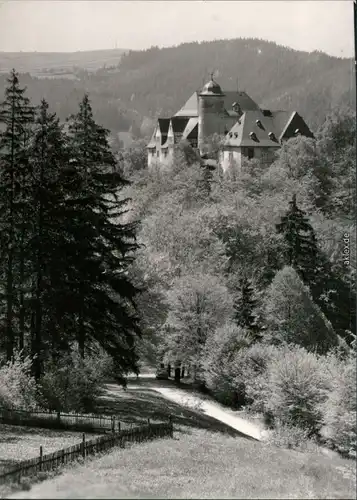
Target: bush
(297, 383)
(73, 383)
(339, 410)
(293, 437)
(17, 386)
(219, 374)
(251, 368)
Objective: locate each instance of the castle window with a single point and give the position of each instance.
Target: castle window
(265, 156)
(157, 153)
(165, 152)
(250, 153)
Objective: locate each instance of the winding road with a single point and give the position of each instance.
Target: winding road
(198, 402)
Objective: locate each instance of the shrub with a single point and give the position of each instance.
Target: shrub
(297, 384)
(220, 350)
(288, 435)
(252, 365)
(73, 383)
(339, 410)
(17, 386)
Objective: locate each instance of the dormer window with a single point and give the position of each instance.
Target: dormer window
(237, 109)
(297, 131)
(259, 123)
(272, 136)
(253, 136)
(235, 134)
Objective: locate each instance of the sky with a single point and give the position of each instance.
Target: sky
(70, 25)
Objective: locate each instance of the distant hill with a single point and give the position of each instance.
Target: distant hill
(141, 85)
(38, 63)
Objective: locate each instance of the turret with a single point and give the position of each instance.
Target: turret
(210, 112)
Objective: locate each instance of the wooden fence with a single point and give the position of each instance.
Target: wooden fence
(48, 462)
(58, 420)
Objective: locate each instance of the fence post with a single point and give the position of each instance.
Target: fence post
(118, 425)
(171, 426)
(113, 423)
(148, 421)
(59, 416)
(84, 446)
(63, 456)
(41, 458)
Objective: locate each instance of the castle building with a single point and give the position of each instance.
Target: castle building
(246, 129)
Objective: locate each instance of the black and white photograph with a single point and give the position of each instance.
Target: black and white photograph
(178, 249)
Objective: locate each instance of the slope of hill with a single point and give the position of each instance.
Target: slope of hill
(202, 464)
(37, 63)
(157, 81)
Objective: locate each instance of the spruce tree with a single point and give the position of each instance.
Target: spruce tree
(50, 162)
(101, 246)
(16, 118)
(245, 306)
(292, 316)
(300, 246)
(329, 291)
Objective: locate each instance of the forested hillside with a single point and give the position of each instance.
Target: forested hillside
(146, 84)
(245, 278)
(248, 278)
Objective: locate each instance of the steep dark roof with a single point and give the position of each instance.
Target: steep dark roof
(191, 129)
(179, 124)
(295, 122)
(242, 98)
(248, 125)
(190, 108)
(164, 124)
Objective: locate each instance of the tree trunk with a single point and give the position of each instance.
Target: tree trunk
(81, 335)
(9, 273)
(177, 374)
(22, 285)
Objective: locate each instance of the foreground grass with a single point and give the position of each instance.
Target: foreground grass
(203, 464)
(19, 443)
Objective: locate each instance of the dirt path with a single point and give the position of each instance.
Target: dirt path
(199, 403)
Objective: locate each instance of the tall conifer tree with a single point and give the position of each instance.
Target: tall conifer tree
(50, 165)
(300, 246)
(16, 117)
(245, 308)
(102, 246)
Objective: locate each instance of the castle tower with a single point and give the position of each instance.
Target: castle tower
(210, 112)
